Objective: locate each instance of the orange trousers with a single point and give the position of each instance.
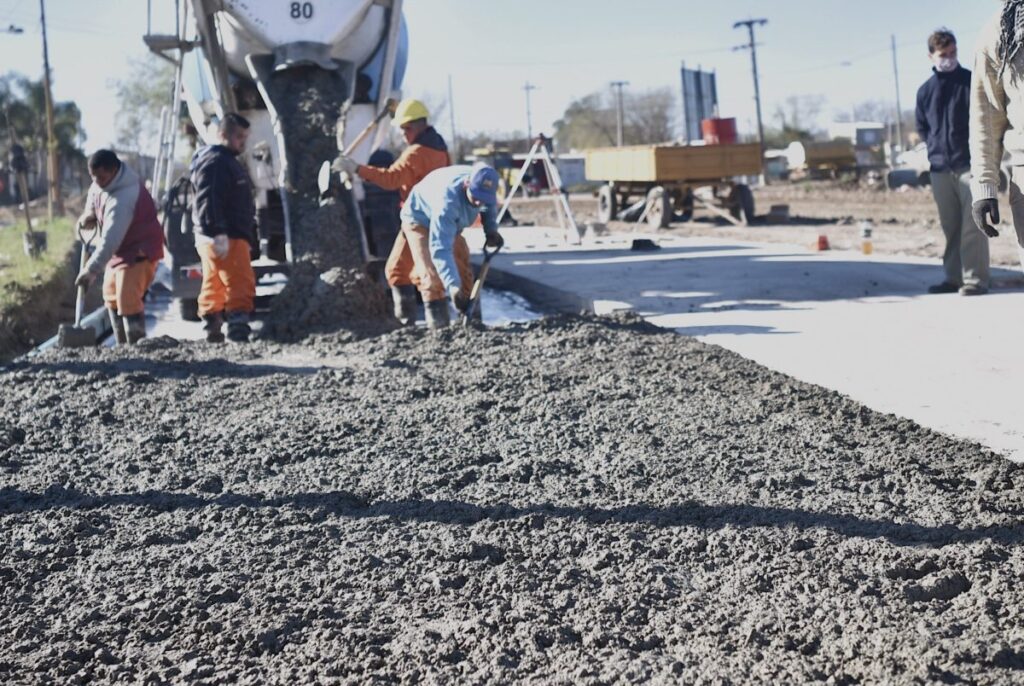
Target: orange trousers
(125, 287)
(229, 283)
(410, 263)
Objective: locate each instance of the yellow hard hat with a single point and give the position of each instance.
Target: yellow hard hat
(410, 110)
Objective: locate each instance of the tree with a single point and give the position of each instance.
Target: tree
(591, 121)
(23, 103)
(142, 97)
(797, 118)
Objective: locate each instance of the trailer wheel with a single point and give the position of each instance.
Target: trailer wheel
(659, 208)
(188, 308)
(607, 206)
(741, 203)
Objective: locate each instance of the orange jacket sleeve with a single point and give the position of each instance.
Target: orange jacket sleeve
(406, 170)
(412, 165)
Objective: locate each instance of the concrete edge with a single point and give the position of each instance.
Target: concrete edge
(546, 298)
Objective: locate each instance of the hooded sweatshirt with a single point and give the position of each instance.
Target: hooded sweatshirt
(997, 112)
(126, 215)
(427, 153)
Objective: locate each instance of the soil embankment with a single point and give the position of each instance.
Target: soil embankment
(570, 500)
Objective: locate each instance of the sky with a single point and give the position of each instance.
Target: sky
(568, 49)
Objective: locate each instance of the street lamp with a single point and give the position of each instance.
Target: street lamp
(14, 29)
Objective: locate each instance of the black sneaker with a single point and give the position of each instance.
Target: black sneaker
(973, 289)
(944, 287)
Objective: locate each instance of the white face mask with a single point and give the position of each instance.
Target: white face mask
(947, 64)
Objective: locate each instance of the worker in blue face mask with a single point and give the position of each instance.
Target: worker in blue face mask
(943, 121)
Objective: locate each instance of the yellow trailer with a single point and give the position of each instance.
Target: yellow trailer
(674, 179)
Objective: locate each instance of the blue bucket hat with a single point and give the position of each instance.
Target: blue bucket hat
(483, 183)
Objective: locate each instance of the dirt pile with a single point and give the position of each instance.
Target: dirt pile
(325, 237)
(568, 500)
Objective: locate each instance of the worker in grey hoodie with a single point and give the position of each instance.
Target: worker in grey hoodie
(131, 242)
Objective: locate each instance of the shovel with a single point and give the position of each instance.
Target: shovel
(478, 286)
(78, 336)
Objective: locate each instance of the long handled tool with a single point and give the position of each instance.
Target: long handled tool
(478, 286)
(79, 336)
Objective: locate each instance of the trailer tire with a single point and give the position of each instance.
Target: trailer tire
(188, 308)
(741, 204)
(659, 208)
(607, 204)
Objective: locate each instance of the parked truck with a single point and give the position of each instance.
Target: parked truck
(249, 56)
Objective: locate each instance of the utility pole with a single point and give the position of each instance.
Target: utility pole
(752, 46)
(53, 168)
(618, 86)
(451, 116)
(528, 87)
(899, 106)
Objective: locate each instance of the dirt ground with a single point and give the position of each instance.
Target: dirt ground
(905, 222)
(565, 501)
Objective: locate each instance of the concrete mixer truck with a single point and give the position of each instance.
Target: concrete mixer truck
(258, 58)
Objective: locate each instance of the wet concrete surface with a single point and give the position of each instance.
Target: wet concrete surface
(862, 325)
(569, 500)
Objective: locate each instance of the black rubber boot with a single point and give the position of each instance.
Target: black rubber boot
(238, 327)
(214, 327)
(404, 298)
(117, 323)
(439, 316)
(135, 327)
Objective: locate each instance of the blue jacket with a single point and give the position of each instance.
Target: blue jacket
(943, 119)
(439, 203)
(223, 201)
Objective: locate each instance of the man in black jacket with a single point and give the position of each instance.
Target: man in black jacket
(943, 121)
(224, 217)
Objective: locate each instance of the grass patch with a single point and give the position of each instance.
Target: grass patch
(18, 273)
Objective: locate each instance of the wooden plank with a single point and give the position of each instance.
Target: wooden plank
(673, 163)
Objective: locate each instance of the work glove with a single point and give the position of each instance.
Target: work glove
(346, 164)
(494, 240)
(985, 211)
(221, 246)
(85, 279)
(460, 301)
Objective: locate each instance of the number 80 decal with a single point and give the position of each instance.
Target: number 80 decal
(301, 12)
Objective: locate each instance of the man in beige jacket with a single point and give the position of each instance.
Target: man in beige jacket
(997, 118)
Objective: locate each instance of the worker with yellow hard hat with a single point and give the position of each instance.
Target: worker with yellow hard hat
(426, 152)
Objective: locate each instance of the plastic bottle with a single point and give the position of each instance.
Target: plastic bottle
(866, 229)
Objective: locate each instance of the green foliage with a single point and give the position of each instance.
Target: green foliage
(24, 103)
(18, 273)
(142, 97)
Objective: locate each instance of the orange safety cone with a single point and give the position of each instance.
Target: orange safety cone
(822, 242)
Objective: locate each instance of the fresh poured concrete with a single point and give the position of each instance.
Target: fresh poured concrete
(861, 325)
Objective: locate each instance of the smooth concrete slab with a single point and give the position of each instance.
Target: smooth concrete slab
(863, 326)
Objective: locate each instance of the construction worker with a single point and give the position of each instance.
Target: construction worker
(943, 116)
(131, 242)
(997, 119)
(438, 209)
(224, 217)
(426, 152)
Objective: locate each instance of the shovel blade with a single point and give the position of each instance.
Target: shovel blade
(69, 336)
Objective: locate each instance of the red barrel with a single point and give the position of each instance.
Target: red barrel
(719, 131)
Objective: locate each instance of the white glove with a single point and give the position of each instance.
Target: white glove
(220, 246)
(346, 164)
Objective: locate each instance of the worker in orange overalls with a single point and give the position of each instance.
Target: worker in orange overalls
(224, 217)
(426, 152)
(131, 243)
